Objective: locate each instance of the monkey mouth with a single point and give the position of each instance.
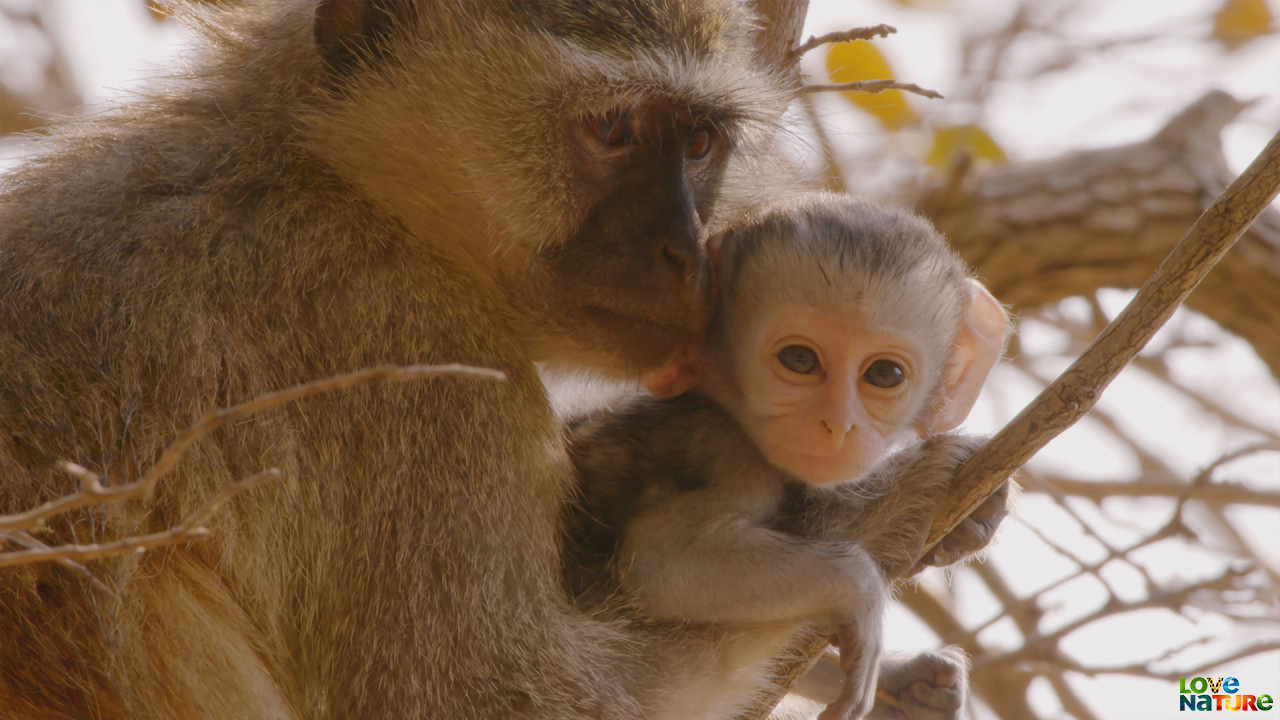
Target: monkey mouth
(645, 325)
(822, 466)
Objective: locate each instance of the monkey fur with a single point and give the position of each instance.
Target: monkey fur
(683, 518)
(332, 186)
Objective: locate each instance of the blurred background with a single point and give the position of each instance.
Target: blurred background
(1077, 141)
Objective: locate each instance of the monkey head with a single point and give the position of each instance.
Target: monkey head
(588, 140)
(839, 327)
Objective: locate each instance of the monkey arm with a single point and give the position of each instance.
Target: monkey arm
(888, 512)
(702, 557)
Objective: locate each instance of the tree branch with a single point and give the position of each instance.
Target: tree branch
(872, 86)
(15, 528)
(1074, 393)
(862, 33)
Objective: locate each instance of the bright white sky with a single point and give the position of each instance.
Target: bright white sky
(1118, 96)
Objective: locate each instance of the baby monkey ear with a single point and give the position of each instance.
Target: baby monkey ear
(684, 370)
(979, 344)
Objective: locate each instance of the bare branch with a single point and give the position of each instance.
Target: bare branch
(14, 528)
(26, 540)
(862, 33)
(871, 86)
(189, 529)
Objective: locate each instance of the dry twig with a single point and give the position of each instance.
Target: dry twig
(872, 86)
(15, 528)
(862, 33)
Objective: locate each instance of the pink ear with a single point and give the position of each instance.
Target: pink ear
(684, 370)
(979, 344)
(680, 373)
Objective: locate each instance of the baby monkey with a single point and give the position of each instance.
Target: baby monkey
(734, 516)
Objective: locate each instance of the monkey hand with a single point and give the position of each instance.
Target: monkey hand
(974, 532)
(930, 686)
(859, 657)
(928, 471)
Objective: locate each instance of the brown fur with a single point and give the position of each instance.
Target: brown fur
(685, 524)
(284, 214)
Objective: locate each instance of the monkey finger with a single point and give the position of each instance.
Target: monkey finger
(993, 509)
(924, 701)
(852, 704)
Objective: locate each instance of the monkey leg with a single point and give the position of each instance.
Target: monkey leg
(859, 659)
(932, 685)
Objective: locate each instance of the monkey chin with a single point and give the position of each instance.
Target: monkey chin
(617, 346)
(820, 469)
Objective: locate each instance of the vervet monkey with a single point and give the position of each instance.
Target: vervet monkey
(331, 185)
(751, 507)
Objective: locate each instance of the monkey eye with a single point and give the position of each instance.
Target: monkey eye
(618, 129)
(700, 142)
(885, 374)
(799, 359)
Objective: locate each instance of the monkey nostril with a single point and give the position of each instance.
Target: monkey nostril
(837, 431)
(679, 261)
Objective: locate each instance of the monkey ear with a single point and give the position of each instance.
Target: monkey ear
(682, 372)
(979, 344)
(347, 31)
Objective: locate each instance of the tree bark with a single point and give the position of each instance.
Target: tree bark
(1039, 232)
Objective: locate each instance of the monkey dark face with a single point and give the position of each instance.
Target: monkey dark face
(629, 282)
(582, 165)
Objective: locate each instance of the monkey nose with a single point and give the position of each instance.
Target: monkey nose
(678, 261)
(837, 431)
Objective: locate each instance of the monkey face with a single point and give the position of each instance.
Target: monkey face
(825, 395)
(584, 154)
(629, 284)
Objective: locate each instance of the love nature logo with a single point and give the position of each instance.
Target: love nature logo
(1221, 693)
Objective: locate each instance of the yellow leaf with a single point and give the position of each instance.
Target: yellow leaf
(969, 139)
(860, 60)
(1239, 21)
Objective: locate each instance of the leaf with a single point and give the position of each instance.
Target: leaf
(971, 140)
(860, 60)
(1239, 21)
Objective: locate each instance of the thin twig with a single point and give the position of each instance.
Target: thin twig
(93, 492)
(32, 543)
(871, 86)
(14, 527)
(189, 529)
(862, 33)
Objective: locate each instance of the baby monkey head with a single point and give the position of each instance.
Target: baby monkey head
(841, 325)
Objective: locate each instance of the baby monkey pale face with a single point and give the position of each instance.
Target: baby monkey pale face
(839, 326)
(825, 393)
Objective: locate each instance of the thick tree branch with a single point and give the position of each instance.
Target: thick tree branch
(1074, 393)
(1104, 218)
(1069, 397)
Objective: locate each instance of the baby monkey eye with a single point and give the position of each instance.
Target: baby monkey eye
(885, 374)
(799, 359)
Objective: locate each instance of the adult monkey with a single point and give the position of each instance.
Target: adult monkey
(335, 186)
